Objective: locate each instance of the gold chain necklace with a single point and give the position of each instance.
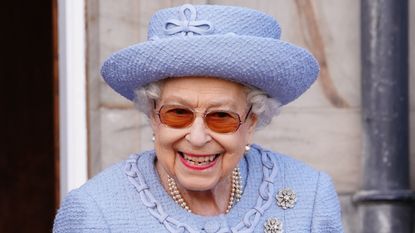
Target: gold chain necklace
(236, 191)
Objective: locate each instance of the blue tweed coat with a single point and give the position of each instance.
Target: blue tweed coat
(128, 197)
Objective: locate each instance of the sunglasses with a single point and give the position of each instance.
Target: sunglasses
(220, 121)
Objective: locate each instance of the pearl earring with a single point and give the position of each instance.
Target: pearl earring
(153, 138)
(247, 148)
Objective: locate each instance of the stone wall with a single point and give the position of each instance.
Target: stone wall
(322, 128)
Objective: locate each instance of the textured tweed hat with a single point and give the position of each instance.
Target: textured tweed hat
(233, 43)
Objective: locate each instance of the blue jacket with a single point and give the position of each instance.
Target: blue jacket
(128, 197)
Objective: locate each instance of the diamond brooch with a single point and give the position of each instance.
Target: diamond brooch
(286, 198)
(273, 225)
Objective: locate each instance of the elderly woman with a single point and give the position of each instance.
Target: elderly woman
(208, 77)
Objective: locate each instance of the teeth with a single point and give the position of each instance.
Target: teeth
(199, 160)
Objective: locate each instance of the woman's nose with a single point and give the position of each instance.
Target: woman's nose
(198, 135)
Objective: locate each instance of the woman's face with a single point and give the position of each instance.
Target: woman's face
(180, 150)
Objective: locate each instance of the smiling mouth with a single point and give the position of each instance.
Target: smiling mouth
(202, 161)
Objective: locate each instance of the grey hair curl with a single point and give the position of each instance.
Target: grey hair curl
(146, 96)
(263, 106)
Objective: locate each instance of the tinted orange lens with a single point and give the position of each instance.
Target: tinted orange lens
(176, 117)
(222, 122)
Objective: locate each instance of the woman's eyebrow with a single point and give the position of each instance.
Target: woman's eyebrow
(222, 104)
(217, 103)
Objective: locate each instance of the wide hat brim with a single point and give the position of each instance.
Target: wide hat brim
(279, 68)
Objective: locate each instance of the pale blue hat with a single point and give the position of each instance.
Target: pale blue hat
(233, 43)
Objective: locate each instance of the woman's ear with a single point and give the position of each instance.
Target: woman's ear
(152, 121)
(252, 122)
(153, 116)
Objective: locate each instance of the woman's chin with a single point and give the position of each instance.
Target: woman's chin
(197, 184)
(197, 177)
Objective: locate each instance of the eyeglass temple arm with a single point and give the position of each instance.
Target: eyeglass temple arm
(247, 114)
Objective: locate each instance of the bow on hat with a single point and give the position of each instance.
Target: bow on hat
(188, 25)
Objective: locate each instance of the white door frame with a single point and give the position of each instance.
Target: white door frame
(72, 95)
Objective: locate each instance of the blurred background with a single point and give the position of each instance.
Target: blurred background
(62, 124)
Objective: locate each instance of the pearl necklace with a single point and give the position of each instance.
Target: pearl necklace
(236, 191)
